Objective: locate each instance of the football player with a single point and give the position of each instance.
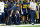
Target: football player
(24, 12)
(6, 10)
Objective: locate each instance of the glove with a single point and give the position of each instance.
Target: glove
(18, 12)
(21, 12)
(10, 15)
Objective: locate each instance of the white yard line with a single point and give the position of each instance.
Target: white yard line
(21, 25)
(29, 25)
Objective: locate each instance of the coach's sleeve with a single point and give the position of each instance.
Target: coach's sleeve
(12, 8)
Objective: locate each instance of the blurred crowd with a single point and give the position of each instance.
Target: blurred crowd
(22, 15)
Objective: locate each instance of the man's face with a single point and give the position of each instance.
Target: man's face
(26, 0)
(33, 0)
(17, 4)
(11, 1)
(17, 0)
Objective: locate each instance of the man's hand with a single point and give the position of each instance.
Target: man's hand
(15, 14)
(36, 9)
(21, 12)
(10, 15)
(31, 8)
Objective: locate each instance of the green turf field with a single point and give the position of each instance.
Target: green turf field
(27, 26)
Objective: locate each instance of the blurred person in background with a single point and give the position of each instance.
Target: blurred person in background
(39, 9)
(29, 13)
(37, 12)
(2, 13)
(6, 10)
(24, 12)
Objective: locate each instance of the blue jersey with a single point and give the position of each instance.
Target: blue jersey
(6, 4)
(15, 8)
(10, 5)
(25, 5)
(28, 5)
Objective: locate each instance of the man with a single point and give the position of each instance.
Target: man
(15, 14)
(2, 13)
(24, 10)
(37, 13)
(10, 5)
(29, 13)
(39, 9)
(33, 11)
(6, 10)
